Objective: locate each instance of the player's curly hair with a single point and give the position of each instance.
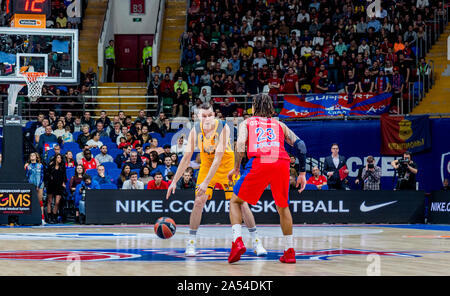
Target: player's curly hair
(263, 105)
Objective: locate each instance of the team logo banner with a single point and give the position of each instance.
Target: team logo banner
(317, 105)
(400, 133)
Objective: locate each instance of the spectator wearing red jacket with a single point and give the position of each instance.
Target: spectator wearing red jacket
(158, 182)
(317, 179)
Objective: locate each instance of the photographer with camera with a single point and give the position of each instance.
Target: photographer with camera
(371, 175)
(406, 171)
(80, 193)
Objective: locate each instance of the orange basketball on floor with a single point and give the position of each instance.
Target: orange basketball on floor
(165, 227)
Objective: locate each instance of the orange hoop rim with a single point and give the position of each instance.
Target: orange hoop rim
(34, 74)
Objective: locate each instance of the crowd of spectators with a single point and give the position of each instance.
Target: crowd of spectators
(115, 153)
(296, 46)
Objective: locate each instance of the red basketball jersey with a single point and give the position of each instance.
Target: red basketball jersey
(89, 164)
(265, 138)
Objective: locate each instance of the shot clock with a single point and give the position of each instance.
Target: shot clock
(29, 7)
(28, 13)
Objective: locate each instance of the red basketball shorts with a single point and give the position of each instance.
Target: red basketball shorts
(258, 175)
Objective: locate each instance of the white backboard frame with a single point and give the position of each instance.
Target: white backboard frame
(72, 33)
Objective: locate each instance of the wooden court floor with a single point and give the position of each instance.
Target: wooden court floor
(134, 250)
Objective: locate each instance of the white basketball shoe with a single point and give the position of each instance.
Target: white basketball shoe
(258, 248)
(190, 248)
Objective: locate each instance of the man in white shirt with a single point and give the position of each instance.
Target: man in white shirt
(306, 49)
(41, 130)
(103, 156)
(133, 182)
(180, 147)
(260, 60)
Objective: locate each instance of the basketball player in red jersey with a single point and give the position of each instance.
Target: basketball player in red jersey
(268, 165)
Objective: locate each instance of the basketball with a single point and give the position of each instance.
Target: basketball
(165, 227)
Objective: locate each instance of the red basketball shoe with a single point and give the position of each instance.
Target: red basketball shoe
(237, 249)
(288, 256)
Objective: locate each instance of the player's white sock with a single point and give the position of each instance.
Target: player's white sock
(288, 242)
(237, 231)
(253, 233)
(192, 236)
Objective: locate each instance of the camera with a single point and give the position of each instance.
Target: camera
(403, 161)
(370, 165)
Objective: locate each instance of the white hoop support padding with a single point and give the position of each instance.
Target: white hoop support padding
(13, 91)
(35, 81)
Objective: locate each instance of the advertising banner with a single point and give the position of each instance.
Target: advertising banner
(316, 105)
(439, 208)
(401, 133)
(19, 200)
(312, 207)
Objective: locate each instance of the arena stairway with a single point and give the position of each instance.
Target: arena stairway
(89, 35)
(114, 103)
(437, 100)
(174, 25)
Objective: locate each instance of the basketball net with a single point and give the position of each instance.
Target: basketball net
(35, 81)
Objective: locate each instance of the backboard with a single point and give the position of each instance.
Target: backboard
(53, 51)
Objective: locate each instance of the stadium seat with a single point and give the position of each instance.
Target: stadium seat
(71, 146)
(114, 173)
(92, 172)
(75, 135)
(108, 186)
(109, 165)
(105, 140)
(310, 187)
(95, 151)
(167, 105)
(114, 153)
(70, 172)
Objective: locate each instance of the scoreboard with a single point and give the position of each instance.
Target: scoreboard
(28, 13)
(29, 7)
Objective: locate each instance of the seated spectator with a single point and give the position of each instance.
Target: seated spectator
(95, 142)
(124, 175)
(174, 159)
(134, 162)
(317, 178)
(85, 136)
(116, 132)
(59, 131)
(158, 182)
(70, 162)
(195, 164)
(166, 152)
(76, 178)
(125, 156)
(103, 156)
(102, 177)
(186, 182)
(151, 125)
(165, 168)
(88, 161)
(87, 119)
(56, 150)
(131, 140)
(154, 160)
(144, 174)
(133, 182)
(101, 129)
(46, 139)
(86, 184)
(144, 137)
(179, 148)
(80, 154)
(67, 137)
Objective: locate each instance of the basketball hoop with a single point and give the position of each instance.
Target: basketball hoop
(35, 81)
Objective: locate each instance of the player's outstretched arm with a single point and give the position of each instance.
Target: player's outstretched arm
(184, 163)
(218, 155)
(299, 152)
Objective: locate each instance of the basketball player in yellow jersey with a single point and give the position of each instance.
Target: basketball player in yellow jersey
(217, 159)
